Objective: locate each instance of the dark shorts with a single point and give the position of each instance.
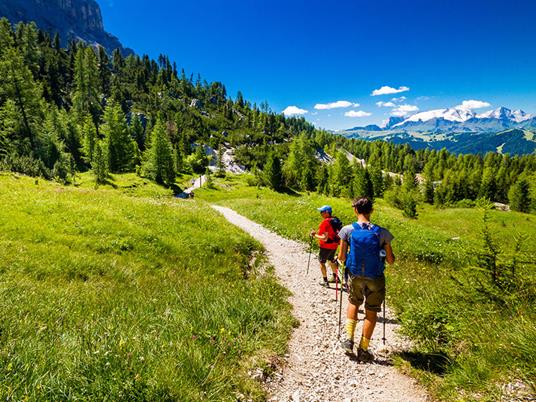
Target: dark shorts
(371, 290)
(326, 254)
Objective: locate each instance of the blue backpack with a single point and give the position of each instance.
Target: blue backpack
(364, 257)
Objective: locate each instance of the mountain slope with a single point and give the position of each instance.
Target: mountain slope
(71, 19)
(459, 130)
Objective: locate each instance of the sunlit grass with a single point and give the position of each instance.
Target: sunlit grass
(485, 346)
(106, 296)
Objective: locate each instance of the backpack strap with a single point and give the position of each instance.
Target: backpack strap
(371, 227)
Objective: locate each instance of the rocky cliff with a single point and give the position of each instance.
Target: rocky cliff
(72, 19)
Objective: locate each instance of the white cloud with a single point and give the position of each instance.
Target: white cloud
(473, 104)
(357, 113)
(335, 105)
(294, 110)
(385, 104)
(403, 110)
(399, 99)
(385, 90)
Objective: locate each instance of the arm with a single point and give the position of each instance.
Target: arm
(323, 237)
(343, 248)
(390, 258)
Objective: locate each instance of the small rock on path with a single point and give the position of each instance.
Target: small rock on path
(316, 367)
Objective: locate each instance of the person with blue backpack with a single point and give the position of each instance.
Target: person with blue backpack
(369, 247)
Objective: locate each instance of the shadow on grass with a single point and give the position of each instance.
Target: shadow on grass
(289, 191)
(387, 320)
(436, 363)
(177, 191)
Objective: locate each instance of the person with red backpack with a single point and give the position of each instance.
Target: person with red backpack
(370, 247)
(328, 239)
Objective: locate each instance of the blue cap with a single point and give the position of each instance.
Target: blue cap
(325, 208)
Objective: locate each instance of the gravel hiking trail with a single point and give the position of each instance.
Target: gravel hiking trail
(315, 367)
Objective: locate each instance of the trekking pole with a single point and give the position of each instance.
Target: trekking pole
(337, 281)
(384, 339)
(340, 310)
(310, 250)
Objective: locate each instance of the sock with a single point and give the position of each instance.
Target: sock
(325, 278)
(335, 278)
(350, 328)
(364, 344)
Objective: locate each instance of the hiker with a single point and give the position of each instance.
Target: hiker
(370, 247)
(328, 241)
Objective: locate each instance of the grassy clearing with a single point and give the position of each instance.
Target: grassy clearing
(106, 296)
(467, 347)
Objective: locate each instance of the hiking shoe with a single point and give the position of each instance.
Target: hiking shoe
(325, 284)
(334, 279)
(348, 346)
(364, 355)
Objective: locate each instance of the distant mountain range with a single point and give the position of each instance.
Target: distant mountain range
(71, 19)
(459, 130)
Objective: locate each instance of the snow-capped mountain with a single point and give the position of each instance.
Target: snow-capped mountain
(503, 113)
(449, 114)
(461, 115)
(458, 129)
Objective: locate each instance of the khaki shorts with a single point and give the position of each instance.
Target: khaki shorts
(371, 290)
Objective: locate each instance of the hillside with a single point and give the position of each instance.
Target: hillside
(107, 295)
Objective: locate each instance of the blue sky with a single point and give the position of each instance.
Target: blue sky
(318, 52)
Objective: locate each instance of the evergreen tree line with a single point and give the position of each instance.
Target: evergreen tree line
(69, 110)
(356, 167)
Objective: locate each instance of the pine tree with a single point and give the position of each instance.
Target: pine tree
(120, 147)
(293, 164)
(273, 177)
(322, 180)
(428, 191)
(159, 164)
(209, 182)
(487, 186)
(341, 175)
(89, 134)
(377, 182)
(519, 196)
(87, 84)
(362, 185)
(99, 163)
(220, 172)
(409, 205)
(137, 132)
(19, 87)
(409, 182)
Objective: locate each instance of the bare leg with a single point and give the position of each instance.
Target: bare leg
(334, 268)
(323, 270)
(370, 323)
(351, 312)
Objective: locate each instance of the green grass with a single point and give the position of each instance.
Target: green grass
(129, 295)
(474, 345)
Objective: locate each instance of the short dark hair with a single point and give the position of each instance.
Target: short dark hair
(363, 205)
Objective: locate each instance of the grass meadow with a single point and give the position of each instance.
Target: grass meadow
(124, 293)
(468, 347)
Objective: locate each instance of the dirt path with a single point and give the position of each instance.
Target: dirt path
(196, 183)
(316, 367)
